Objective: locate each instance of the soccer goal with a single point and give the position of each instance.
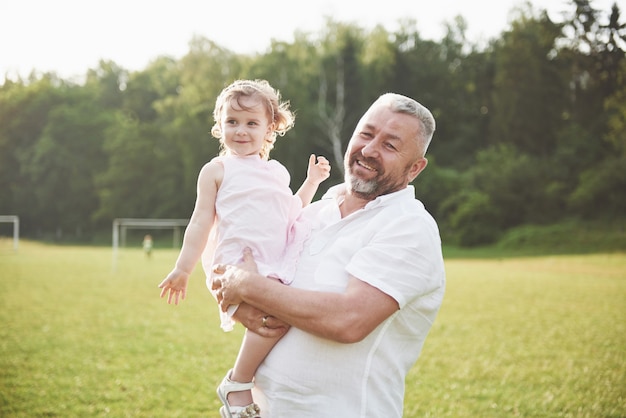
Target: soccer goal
(16, 228)
(121, 225)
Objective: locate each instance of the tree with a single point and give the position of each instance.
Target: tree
(144, 172)
(341, 72)
(530, 92)
(594, 53)
(24, 109)
(63, 164)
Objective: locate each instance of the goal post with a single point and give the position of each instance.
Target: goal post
(16, 228)
(121, 225)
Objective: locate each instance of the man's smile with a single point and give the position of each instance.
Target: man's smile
(365, 166)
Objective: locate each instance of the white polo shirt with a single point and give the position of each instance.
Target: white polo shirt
(392, 244)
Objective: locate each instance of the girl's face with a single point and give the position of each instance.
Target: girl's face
(245, 130)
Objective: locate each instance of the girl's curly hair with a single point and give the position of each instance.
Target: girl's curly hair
(278, 112)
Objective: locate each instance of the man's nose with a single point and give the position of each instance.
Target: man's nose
(370, 149)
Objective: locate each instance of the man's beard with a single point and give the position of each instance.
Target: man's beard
(370, 189)
(365, 189)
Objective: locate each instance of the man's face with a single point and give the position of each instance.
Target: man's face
(383, 155)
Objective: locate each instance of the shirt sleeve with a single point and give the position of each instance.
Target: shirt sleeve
(402, 259)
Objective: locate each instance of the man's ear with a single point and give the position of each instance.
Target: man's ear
(416, 168)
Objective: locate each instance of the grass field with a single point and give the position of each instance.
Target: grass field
(516, 337)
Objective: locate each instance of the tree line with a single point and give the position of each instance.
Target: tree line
(531, 126)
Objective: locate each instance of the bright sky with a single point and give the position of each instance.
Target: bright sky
(71, 36)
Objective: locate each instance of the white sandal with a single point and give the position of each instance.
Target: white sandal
(228, 411)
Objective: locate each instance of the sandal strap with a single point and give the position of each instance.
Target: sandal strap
(231, 386)
(228, 385)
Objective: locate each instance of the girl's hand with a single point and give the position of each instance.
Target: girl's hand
(175, 286)
(318, 171)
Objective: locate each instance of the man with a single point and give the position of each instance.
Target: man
(368, 287)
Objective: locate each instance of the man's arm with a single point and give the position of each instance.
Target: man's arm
(343, 317)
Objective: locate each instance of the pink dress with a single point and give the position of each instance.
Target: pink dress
(255, 208)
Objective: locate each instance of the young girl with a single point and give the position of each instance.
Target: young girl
(147, 245)
(244, 200)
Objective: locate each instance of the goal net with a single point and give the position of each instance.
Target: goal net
(122, 225)
(16, 227)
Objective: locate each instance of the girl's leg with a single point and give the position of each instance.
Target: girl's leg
(253, 350)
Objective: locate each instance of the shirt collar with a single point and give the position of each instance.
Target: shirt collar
(338, 193)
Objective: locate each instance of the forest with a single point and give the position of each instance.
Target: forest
(531, 125)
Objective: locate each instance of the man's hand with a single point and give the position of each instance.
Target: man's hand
(229, 280)
(225, 288)
(252, 319)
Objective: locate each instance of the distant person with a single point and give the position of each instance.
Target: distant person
(244, 200)
(147, 245)
(368, 286)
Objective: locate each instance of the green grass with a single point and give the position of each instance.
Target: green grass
(529, 337)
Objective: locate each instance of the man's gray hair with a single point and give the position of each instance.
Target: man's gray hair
(403, 104)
